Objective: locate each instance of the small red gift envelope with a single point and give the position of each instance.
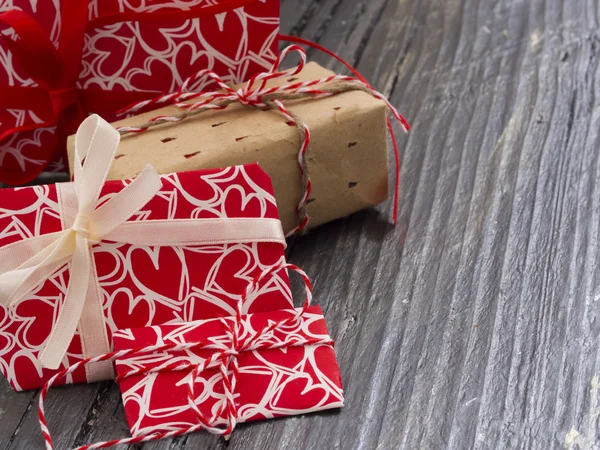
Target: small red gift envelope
(226, 371)
(81, 260)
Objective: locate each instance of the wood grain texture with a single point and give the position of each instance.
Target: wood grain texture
(473, 323)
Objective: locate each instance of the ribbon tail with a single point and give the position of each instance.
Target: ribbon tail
(81, 277)
(92, 332)
(17, 282)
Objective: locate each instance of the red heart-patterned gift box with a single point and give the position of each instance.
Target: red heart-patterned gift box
(60, 61)
(141, 285)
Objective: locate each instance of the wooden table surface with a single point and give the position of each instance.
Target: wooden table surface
(473, 323)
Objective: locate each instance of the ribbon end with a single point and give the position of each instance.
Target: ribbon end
(51, 360)
(6, 298)
(151, 172)
(151, 169)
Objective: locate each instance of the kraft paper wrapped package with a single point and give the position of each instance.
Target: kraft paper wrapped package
(347, 157)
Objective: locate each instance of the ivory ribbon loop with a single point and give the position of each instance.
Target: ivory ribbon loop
(26, 264)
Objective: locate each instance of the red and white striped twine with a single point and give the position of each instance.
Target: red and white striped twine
(252, 95)
(224, 358)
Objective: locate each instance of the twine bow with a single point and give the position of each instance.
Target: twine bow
(224, 358)
(256, 94)
(26, 264)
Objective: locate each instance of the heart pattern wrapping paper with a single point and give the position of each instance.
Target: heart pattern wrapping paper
(140, 285)
(159, 46)
(157, 56)
(288, 371)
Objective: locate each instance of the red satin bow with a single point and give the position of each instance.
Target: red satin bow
(55, 100)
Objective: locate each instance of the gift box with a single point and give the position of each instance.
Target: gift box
(60, 63)
(347, 157)
(272, 371)
(80, 260)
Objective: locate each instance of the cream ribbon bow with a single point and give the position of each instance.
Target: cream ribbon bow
(27, 264)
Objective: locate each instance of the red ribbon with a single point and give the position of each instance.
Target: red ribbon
(403, 121)
(54, 71)
(56, 99)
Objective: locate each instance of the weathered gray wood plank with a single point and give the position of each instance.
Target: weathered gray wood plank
(473, 323)
(13, 410)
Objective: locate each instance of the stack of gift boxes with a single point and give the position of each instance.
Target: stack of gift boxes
(162, 264)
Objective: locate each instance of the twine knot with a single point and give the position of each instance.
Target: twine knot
(233, 352)
(250, 98)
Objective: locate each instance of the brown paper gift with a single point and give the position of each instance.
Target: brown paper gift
(347, 157)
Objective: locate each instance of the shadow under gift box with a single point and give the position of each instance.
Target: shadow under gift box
(347, 157)
(143, 285)
(298, 377)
